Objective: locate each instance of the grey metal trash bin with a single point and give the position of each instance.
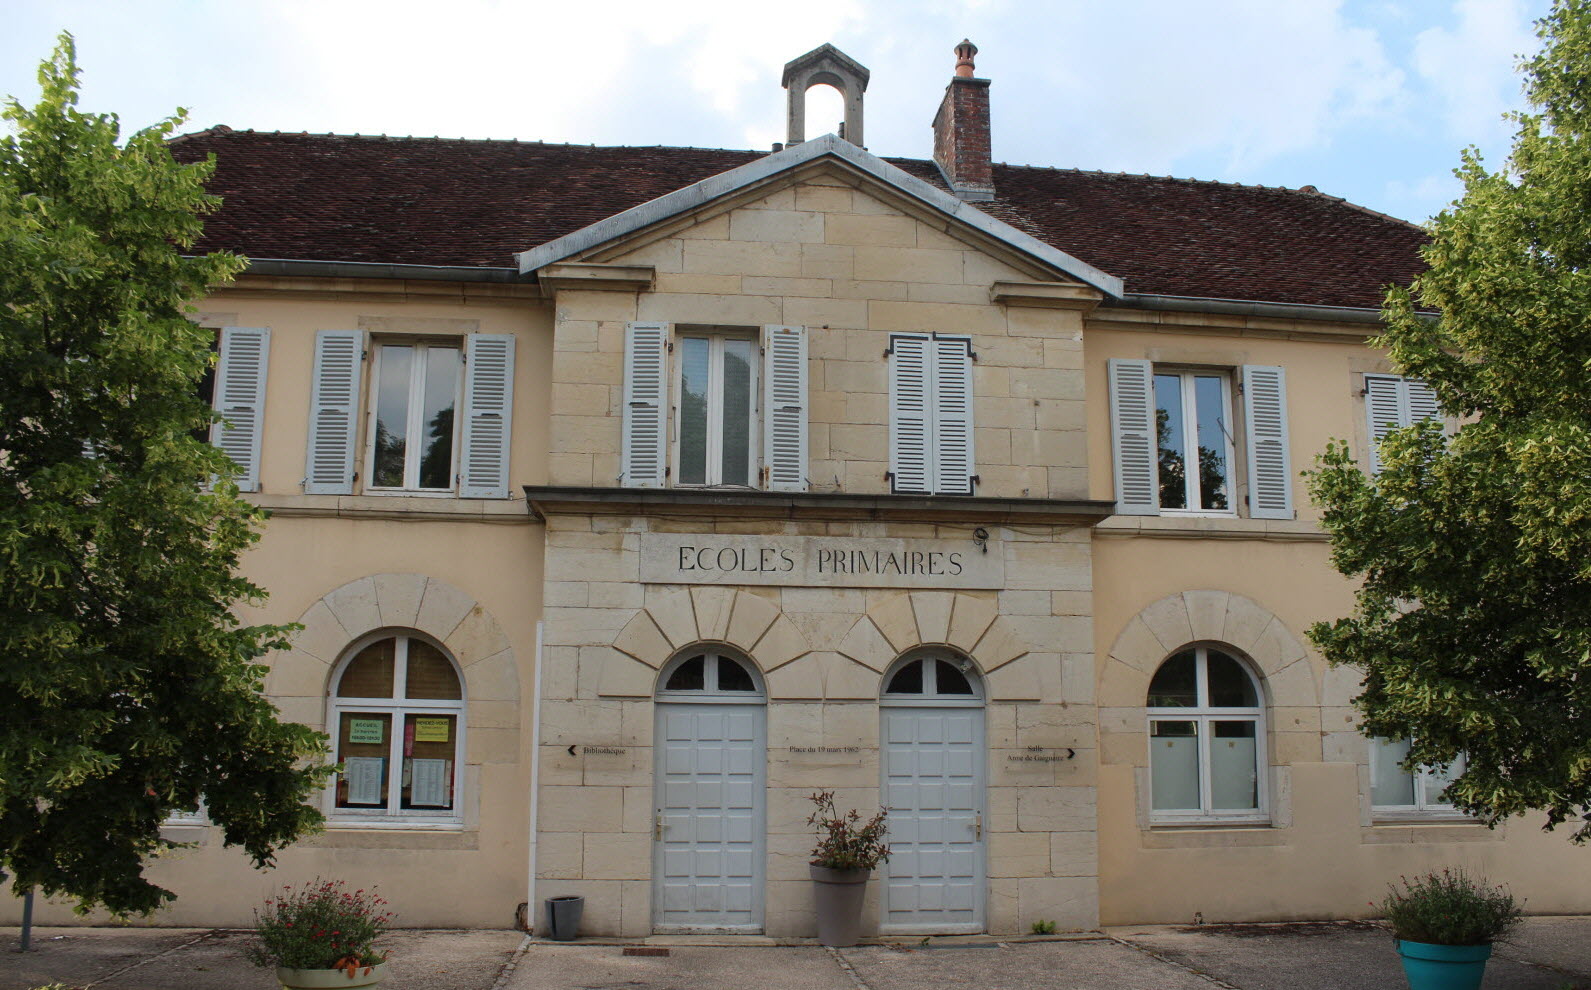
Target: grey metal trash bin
(563, 917)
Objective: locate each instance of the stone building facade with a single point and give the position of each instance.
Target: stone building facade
(808, 471)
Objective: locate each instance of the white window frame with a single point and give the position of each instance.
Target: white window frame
(398, 707)
(1190, 431)
(710, 693)
(1421, 808)
(416, 421)
(716, 336)
(1203, 715)
(930, 696)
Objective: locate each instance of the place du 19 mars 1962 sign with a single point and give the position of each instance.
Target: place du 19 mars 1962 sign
(818, 561)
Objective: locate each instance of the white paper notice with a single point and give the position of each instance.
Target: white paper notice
(365, 775)
(429, 786)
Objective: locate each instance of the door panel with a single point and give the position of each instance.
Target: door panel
(707, 866)
(933, 783)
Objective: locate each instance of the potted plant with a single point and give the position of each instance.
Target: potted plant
(1445, 924)
(846, 854)
(322, 935)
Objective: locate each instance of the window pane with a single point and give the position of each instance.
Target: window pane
(736, 463)
(1174, 765)
(441, 396)
(1175, 684)
(430, 675)
(364, 742)
(1433, 782)
(733, 677)
(1229, 684)
(907, 680)
(1173, 442)
(392, 415)
(1390, 784)
(688, 676)
(693, 411)
(1213, 469)
(1234, 770)
(950, 680)
(429, 745)
(369, 674)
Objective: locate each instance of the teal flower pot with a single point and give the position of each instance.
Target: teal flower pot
(1443, 967)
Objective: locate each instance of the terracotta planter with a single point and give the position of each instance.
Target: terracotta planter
(1443, 967)
(838, 895)
(320, 979)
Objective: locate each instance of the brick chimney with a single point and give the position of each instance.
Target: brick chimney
(961, 131)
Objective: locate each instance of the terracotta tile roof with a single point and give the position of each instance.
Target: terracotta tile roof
(431, 201)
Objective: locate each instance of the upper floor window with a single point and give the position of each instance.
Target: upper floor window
(1176, 434)
(930, 414)
(1395, 790)
(412, 424)
(1393, 403)
(1206, 739)
(433, 428)
(714, 406)
(397, 717)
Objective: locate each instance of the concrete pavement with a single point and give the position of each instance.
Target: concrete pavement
(1550, 954)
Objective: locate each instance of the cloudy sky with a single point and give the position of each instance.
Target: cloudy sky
(1366, 99)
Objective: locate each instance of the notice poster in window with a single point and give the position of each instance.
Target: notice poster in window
(429, 784)
(366, 730)
(431, 730)
(364, 775)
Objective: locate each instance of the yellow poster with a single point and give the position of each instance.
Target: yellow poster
(431, 730)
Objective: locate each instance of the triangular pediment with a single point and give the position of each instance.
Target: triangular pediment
(820, 154)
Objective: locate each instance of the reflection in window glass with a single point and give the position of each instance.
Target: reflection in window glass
(392, 415)
(1172, 442)
(416, 388)
(1210, 402)
(694, 361)
(688, 676)
(1206, 748)
(735, 466)
(1394, 788)
(1176, 683)
(436, 422)
(1194, 440)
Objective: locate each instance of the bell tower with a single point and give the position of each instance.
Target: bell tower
(825, 66)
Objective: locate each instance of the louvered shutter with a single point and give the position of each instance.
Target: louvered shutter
(333, 407)
(1269, 463)
(909, 412)
(784, 420)
(951, 395)
(1422, 403)
(1383, 412)
(645, 451)
(240, 399)
(1132, 437)
(488, 415)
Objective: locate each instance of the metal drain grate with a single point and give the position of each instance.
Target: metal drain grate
(645, 950)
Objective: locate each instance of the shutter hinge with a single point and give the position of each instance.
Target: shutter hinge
(976, 480)
(668, 346)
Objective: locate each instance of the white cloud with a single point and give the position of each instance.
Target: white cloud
(1469, 68)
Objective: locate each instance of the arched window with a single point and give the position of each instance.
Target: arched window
(397, 715)
(941, 677)
(1206, 738)
(707, 676)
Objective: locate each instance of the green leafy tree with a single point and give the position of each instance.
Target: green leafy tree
(1472, 622)
(128, 686)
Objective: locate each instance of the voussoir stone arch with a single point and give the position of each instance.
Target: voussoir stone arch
(911, 619)
(749, 623)
(1215, 617)
(298, 680)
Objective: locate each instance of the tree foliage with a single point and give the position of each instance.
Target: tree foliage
(1473, 619)
(128, 685)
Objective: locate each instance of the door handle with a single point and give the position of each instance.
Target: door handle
(657, 825)
(977, 827)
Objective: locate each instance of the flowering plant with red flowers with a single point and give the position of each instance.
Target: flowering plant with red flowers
(320, 925)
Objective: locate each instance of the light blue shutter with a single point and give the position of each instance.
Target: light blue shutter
(951, 395)
(784, 420)
(488, 415)
(1270, 472)
(909, 412)
(333, 409)
(1133, 442)
(644, 454)
(1383, 413)
(240, 399)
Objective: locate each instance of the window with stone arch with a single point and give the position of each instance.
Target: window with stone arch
(710, 674)
(1206, 738)
(396, 715)
(936, 677)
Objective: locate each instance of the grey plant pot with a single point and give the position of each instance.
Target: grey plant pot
(838, 896)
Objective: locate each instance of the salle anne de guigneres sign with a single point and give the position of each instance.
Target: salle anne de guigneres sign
(818, 561)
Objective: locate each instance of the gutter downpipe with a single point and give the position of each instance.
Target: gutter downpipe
(535, 790)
